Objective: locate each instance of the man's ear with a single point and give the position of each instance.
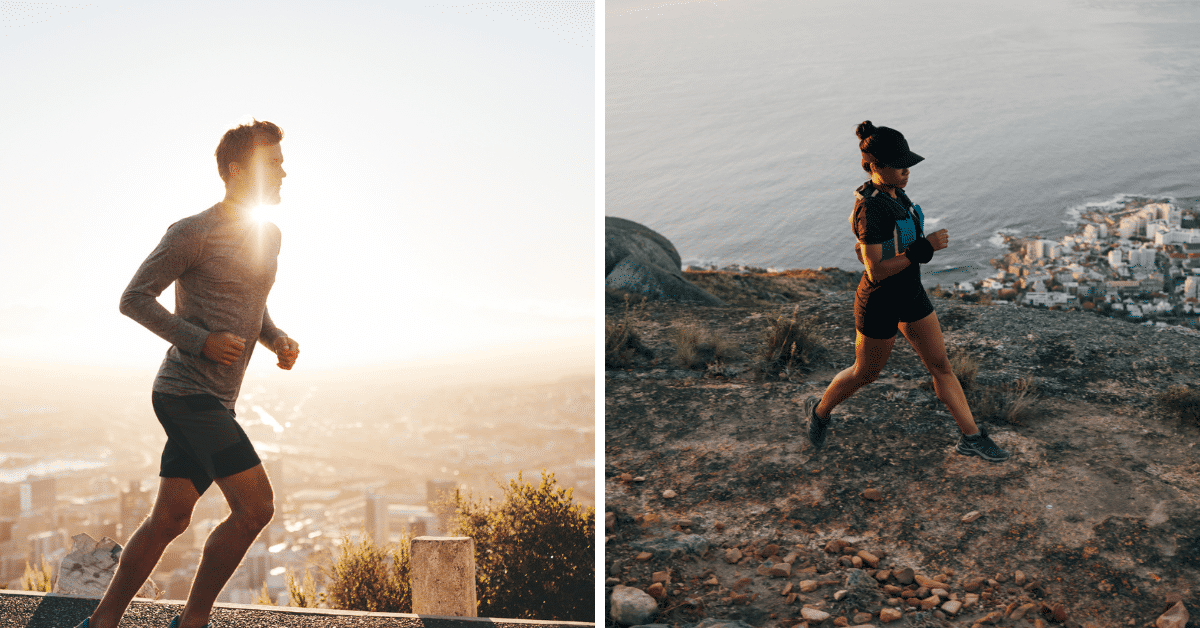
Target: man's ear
(235, 169)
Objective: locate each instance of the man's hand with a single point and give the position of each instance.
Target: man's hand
(939, 239)
(223, 347)
(287, 350)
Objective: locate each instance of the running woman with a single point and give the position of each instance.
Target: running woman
(892, 245)
(222, 263)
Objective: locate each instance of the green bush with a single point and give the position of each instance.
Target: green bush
(368, 577)
(534, 551)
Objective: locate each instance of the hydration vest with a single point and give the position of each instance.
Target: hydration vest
(906, 231)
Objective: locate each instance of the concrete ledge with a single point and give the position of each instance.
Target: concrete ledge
(25, 609)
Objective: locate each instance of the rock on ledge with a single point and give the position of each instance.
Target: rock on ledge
(90, 566)
(640, 261)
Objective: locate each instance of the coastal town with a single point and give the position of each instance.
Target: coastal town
(1140, 262)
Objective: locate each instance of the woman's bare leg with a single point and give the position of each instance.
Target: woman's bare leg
(925, 336)
(870, 356)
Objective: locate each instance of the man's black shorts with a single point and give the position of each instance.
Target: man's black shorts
(877, 314)
(204, 442)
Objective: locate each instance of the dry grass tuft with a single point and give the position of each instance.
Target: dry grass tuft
(1012, 403)
(965, 368)
(697, 347)
(621, 340)
(1182, 401)
(791, 345)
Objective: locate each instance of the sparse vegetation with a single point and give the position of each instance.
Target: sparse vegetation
(1012, 403)
(303, 593)
(263, 597)
(370, 577)
(1181, 401)
(621, 340)
(791, 345)
(697, 347)
(534, 551)
(38, 579)
(965, 368)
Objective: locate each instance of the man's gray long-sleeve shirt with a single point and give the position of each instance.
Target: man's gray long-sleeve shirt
(223, 271)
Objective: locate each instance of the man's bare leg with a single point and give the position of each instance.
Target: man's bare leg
(251, 502)
(170, 517)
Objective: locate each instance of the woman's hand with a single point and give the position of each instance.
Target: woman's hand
(939, 239)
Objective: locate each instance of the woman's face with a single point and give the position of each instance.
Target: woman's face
(889, 176)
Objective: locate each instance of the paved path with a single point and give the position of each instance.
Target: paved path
(21, 609)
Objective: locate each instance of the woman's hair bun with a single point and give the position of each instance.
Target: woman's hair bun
(865, 130)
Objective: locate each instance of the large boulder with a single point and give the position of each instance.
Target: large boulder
(639, 260)
(632, 606)
(89, 567)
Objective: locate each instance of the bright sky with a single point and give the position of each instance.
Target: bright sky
(440, 159)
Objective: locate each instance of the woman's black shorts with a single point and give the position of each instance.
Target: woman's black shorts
(204, 441)
(877, 313)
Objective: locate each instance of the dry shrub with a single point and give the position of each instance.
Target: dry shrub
(697, 347)
(1182, 401)
(1012, 403)
(621, 340)
(791, 344)
(370, 577)
(40, 578)
(965, 368)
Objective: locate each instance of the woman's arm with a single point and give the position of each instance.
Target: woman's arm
(879, 269)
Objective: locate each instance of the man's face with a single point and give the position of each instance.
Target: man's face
(265, 173)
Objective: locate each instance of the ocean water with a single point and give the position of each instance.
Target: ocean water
(729, 124)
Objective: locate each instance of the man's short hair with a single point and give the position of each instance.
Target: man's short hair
(238, 143)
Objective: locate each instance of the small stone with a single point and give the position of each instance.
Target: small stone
(791, 598)
(787, 588)
(992, 618)
(608, 582)
(640, 478)
(971, 516)
(942, 593)
(873, 494)
(610, 521)
(791, 557)
(1059, 613)
(812, 614)
(656, 591)
(888, 615)
(970, 600)
(1038, 623)
(882, 575)
(668, 494)
(739, 599)
(720, 525)
(861, 618)
(892, 589)
(972, 585)
(929, 582)
(644, 556)
(626, 477)
(808, 586)
(661, 576)
(930, 603)
(713, 582)
(952, 607)
(856, 562)
(732, 555)
(764, 569)
(768, 550)
(1020, 611)
(1019, 578)
(869, 558)
(780, 570)
(895, 601)
(835, 546)
(742, 583)
(840, 595)
(1175, 617)
(904, 576)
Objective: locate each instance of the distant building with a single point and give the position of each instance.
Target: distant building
(39, 494)
(375, 517)
(135, 505)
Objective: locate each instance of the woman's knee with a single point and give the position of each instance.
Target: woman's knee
(865, 375)
(939, 366)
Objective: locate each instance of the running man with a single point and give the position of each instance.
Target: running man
(222, 263)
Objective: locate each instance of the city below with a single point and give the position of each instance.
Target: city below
(344, 455)
(1140, 261)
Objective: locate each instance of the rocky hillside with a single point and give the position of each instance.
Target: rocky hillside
(719, 511)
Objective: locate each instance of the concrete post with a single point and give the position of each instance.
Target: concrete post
(443, 576)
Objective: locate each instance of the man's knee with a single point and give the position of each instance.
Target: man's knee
(256, 515)
(170, 524)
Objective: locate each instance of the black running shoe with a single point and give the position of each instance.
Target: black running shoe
(981, 445)
(816, 425)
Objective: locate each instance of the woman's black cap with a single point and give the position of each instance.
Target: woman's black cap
(885, 146)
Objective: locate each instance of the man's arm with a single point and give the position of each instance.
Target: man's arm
(174, 254)
(286, 349)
